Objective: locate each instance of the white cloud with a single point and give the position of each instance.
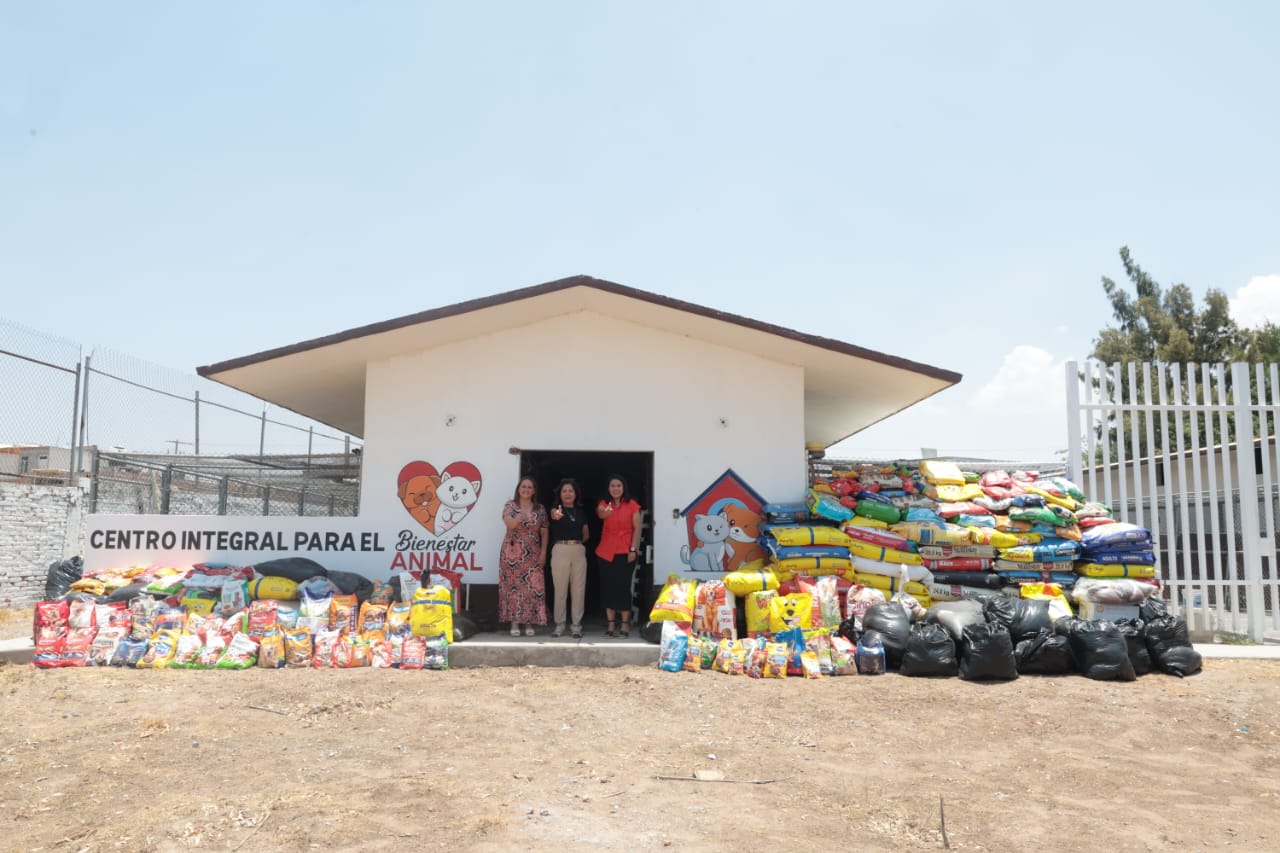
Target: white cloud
(1062, 329)
(1029, 380)
(1257, 302)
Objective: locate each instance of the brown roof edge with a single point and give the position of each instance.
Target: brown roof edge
(948, 376)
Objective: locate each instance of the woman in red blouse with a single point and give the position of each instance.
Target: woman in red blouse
(616, 554)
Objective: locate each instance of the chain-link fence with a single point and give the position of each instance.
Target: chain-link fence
(190, 444)
(194, 485)
(39, 399)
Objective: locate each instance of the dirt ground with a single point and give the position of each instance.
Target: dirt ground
(571, 759)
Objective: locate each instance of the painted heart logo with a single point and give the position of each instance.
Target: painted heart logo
(438, 500)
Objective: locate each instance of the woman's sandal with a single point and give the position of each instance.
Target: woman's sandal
(608, 632)
(625, 630)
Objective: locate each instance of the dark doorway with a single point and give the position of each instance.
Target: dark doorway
(592, 470)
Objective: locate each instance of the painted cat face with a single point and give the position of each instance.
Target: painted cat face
(711, 528)
(457, 493)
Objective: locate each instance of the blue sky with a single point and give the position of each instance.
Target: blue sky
(945, 182)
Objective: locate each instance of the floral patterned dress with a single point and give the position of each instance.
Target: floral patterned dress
(522, 593)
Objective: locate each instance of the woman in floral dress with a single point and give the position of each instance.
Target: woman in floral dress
(522, 595)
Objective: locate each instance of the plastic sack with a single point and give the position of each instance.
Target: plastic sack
(1100, 650)
(62, 574)
(432, 612)
(241, 653)
(931, 651)
(714, 611)
(1045, 653)
(1170, 647)
(1115, 570)
(826, 506)
(879, 511)
(859, 599)
(798, 535)
(278, 589)
(1114, 590)
(924, 533)
(297, 648)
(879, 538)
(675, 602)
(296, 569)
(937, 472)
(986, 653)
(790, 611)
(1021, 616)
(1133, 631)
(674, 646)
(955, 616)
(892, 623)
(747, 580)
(757, 611)
(1119, 534)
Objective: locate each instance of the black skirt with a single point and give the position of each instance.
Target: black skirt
(615, 582)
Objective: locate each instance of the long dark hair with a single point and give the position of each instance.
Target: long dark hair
(577, 492)
(626, 491)
(532, 482)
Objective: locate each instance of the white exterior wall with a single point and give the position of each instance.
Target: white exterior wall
(582, 382)
(39, 525)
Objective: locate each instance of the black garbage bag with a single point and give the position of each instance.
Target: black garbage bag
(1135, 638)
(463, 628)
(1170, 647)
(485, 622)
(1152, 609)
(652, 632)
(955, 615)
(986, 653)
(127, 593)
(1024, 617)
(1100, 649)
(1044, 654)
(892, 623)
(980, 580)
(352, 584)
(87, 596)
(849, 630)
(931, 651)
(296, 569)
(62, 574)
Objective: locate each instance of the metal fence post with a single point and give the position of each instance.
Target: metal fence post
(266, 499)
(222, 494)
(196, 447)
(302, 502)
(73, 472)
(166, 483)
(93, 483)
(331, 504)
(84, 420)
(262, 437)
(1247, 480)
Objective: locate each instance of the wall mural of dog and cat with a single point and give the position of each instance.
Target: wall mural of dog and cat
(723, 526)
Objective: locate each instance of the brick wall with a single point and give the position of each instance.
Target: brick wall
(38, 525)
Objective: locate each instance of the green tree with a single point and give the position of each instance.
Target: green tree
(1154, 324)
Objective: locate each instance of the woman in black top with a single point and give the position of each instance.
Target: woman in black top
(569, 535)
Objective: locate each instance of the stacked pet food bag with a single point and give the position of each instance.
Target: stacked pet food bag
(932, 571)
(286, 613)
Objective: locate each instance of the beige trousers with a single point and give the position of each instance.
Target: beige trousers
(569, 576)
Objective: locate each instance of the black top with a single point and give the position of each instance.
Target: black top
(569, 527)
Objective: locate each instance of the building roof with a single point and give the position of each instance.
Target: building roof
(847, 387)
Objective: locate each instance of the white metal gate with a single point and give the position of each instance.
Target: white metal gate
(1189, 451)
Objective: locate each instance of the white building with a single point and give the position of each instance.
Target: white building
(578, 377)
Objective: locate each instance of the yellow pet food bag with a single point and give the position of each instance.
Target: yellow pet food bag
(791, 611)
(675, 602)
(432, 612)
(748, 580)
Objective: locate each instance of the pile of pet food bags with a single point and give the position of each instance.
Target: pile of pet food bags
(285, 613)
(932, 571)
